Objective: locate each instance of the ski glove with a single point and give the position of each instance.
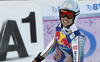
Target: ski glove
(38, 58)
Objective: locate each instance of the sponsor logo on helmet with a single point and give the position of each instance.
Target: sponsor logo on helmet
(68, 5)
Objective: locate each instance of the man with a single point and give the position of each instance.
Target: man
(68, 42)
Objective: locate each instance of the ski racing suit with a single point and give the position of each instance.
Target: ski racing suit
(68, 45)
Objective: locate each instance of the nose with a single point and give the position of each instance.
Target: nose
(65, 17)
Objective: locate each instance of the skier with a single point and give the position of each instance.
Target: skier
(68, 43)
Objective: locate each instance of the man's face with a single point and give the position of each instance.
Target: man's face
(66, 17)
(66, 21)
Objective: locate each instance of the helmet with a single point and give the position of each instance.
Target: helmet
(72, 6)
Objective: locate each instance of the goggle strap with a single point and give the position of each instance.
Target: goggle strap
(77, 13)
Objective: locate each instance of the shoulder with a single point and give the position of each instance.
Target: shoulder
(58, 26)
(79, 36)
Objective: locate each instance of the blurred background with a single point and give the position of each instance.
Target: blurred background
(47, 14)
(45, 0)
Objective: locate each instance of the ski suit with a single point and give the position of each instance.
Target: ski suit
(67, 45)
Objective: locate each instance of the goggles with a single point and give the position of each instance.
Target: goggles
(67, 13)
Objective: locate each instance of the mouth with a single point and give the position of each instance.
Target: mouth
(65, 21)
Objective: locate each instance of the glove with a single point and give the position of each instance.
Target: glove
(38, 58)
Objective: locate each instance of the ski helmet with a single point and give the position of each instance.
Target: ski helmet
(71, 5)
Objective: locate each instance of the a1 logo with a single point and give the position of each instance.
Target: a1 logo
(11, 28)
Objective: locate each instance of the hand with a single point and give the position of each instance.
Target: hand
(34, 61)
(38, 58)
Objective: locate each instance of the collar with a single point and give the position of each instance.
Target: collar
(72, 28)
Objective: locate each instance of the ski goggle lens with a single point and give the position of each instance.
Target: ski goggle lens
(69, 14)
